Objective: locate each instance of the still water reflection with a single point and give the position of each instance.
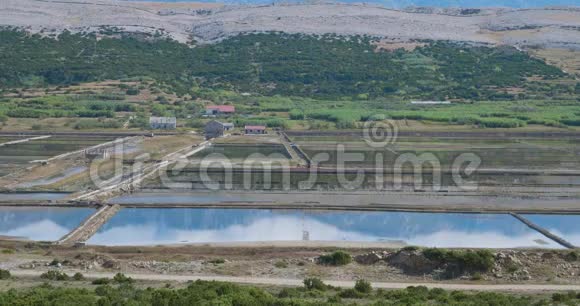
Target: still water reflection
(565, 226)
(39, 223)
(170, 226)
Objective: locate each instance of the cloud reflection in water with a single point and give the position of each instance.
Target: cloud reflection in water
(289, 228)
(44, 230)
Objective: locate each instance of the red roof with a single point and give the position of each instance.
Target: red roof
(255, 127)
(222, 108)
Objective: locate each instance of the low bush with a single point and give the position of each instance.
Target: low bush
(101, 281)
(363, 286)
(281, 264)
(476, 276)
(338, 258)
(296, 115)
(120, 278)
(289, 293)
(217, 261)
(573, 256)
(411, 248)
(4, 274)
(78, 276)
(351, 294)
(314, 283)
(479, 260)
(55, 275)
(132, 91)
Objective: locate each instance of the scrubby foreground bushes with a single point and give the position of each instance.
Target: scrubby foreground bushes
(338, 258)
(217, 293)
(479, 260)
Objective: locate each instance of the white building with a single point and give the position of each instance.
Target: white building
(163, 123)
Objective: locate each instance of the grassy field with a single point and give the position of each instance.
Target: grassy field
(54, 111)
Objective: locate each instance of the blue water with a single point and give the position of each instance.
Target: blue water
(39, 223)
(565, 226)
(189, 225)
(406, 3)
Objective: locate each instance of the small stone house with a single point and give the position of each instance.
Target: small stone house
(163, 123)
(255, 129)
(216, 128)
(216, 110)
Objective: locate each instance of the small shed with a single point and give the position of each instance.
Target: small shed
(163, 123)
(216, 128)
(214, 110)
(255, 129)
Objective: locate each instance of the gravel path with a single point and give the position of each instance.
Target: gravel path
(336, 283)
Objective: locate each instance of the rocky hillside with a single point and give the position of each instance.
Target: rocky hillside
(548, 27)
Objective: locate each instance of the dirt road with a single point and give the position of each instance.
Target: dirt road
(336, 283)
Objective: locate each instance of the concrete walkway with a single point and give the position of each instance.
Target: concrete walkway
(23, 140)
(90, 226)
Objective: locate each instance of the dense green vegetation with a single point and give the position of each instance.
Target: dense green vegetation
(319, 82)
(217, 293)
(292, 65)
(60, 106)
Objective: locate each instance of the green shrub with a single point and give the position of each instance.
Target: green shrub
(78, 276)
(296, 115)
(512, 267)
(132, 91)
(101, 281)
(436, 254)
(411, 248)
(289, 293)
(7, 251)
(55, 275)
(363, 286)
(479, 260)
(217, 261)
(351, 294)
(281, 264)
(87, 124)
(476, 276)
(338, 258)
(565, 298)
(314, 283)
(195, 124)
(120, 278)
(4, 274)
(573, 256)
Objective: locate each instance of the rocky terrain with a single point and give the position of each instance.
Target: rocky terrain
(517, 266)
(547, 27)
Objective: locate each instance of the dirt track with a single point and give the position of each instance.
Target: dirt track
(335, 283)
